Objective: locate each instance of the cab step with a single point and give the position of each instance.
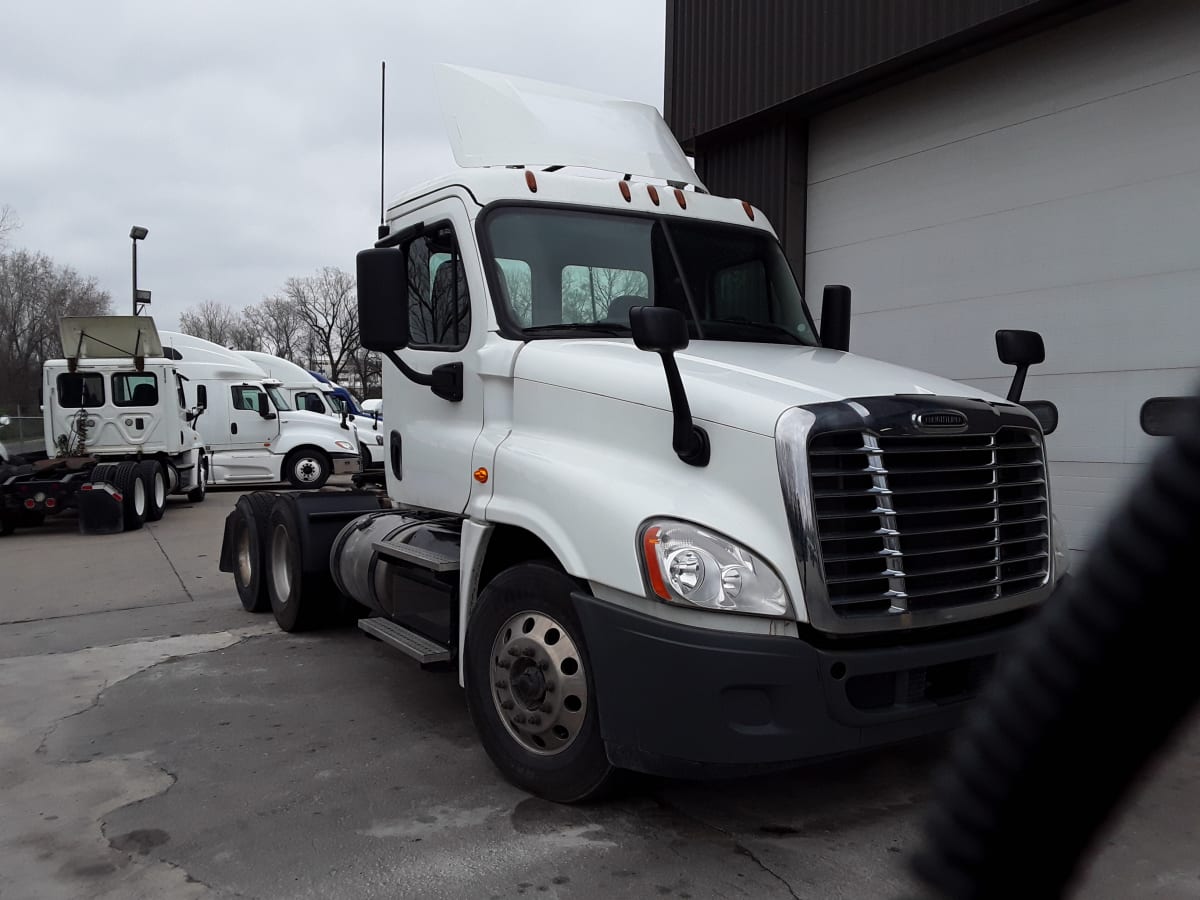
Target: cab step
(407, 641)
(417, 556)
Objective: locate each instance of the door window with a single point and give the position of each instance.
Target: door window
(247, 397)
(439, 307)
(310, 401)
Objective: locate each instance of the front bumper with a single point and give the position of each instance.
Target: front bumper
(683, 701)
(346, 463)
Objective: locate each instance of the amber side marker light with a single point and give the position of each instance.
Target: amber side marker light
(680, 198)
(531, 181)
(650, 541)
(653, 192)
(481, 475)
(625, 192)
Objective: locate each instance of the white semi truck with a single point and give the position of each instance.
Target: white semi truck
(650, 516)
(251, 432)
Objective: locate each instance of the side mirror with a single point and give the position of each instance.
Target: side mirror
(835, 317)
(201, 396)
(382, 299)
(264, 405)
(1021, 349)
(662, 330)
(658, 329)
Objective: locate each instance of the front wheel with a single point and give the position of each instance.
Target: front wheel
(530, 689)
(200, 491)
(307, 467)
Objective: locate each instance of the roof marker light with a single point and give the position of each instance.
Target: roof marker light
(625, 192)
(653, 192)
(680, 199)
(531, 180)
(749, 209)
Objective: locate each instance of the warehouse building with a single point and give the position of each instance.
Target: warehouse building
(968, 165)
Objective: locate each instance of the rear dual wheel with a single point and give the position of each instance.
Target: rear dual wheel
(251, 533)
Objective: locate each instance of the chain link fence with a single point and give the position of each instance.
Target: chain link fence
(23, 433)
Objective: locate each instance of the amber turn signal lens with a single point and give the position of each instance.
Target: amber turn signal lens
(649, 550)
(481, 475)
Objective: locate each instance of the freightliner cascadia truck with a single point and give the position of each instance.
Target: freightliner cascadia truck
(652, 518)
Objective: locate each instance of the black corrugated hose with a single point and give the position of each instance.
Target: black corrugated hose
(1109, 669)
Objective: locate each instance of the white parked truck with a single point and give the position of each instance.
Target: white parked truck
(651, 517)
(305, 392)
(114, 413)
(251, 433)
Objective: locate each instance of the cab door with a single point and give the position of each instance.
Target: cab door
(248, 429)
(429, 439)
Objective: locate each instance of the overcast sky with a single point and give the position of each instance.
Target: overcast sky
(245, 135)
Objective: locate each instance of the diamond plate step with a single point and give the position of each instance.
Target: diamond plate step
(419, 647)
(417, 556)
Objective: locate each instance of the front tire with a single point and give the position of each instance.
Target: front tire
(529, 686)
(200, 491)
(307, 467)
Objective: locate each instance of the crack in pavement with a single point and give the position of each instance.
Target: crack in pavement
(170, 562)
(738, 847)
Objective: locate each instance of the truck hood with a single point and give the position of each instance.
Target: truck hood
(321, 422)
(742, 385)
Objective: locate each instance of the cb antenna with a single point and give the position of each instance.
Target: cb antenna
(383, 229)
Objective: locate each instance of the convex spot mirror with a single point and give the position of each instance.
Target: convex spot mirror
(382, 299)
(1045, 412)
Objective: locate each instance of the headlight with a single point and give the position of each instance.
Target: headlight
(1062, 551)
(690, 566)
(345, 445)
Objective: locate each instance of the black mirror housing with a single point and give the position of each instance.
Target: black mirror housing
(835, 317)
(1045, 412)
(658, 329)
(1020, 348)
(201, 396)
(382, 299)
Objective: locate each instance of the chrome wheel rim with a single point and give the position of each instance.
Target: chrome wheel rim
(538, 683)
(308, 469)
(281, 570)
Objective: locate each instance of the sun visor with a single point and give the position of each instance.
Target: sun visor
(502, 120)
(108, 337)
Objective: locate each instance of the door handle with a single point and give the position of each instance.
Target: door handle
(233, 428)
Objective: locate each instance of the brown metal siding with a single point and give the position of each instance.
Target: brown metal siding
(768, 167)
(729, 60)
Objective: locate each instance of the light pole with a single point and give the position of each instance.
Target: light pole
(138, 233)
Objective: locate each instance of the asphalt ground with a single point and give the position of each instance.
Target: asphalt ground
(158, 741)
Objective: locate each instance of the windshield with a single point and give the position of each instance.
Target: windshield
(335, 402)
(278, 399)
(562, 272)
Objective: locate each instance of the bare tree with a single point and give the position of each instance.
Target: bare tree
(8, 223)
(279, 325)
(34, 293)
(588, 292)
(327, 305)
(367, 370)
(212, 321)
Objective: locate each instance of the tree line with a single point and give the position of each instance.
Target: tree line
(34, 292)
(312, 321)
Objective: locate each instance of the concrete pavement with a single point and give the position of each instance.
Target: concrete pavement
(157, 741)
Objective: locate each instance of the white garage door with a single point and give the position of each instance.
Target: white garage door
(1053, 184)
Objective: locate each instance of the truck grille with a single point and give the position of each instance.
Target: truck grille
(911, 522)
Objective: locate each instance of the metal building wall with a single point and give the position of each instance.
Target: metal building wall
(768, 167)
(730, 60)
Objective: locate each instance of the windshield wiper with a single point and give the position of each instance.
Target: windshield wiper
(614, 328)
(771, 327)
